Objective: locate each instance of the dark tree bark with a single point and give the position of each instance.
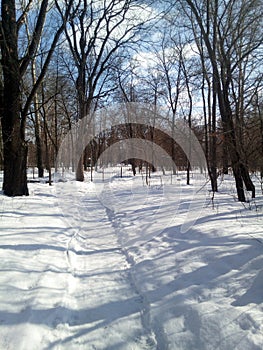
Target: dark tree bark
(209, 106)
(14, 114)
(1, 113)
(223, 68)
(39, 150)
(40, 165)
(13, 132)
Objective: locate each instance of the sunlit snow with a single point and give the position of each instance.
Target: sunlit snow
(105, 265)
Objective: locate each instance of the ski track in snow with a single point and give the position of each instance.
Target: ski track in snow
(156, 338)
(152, 338)
(84, 244)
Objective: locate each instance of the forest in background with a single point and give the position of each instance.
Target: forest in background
(64, 60)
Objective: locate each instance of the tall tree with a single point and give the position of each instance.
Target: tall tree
(225, 29)
(96, 32)
(1, 112)
(169, 64)
(209, 101)
(15, 63)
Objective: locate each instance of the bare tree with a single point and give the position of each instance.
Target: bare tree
(15, 63)
(209, 101)
(225, 29)
(168, 57)
(97, 31)
(1, 113)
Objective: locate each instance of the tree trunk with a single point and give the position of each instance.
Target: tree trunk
(132, 162)
(222, 75)
(48, 165)
(239, 183)
(15, 159)
(80, 169)
(39, 152)
(240, 170)
(15, 151)
(1, 115)
(13, 129)
(188, 169)
(235, 159)
(213, 138)
(247, 180)
(38, 146)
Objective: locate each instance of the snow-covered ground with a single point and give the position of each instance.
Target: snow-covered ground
(120, 265)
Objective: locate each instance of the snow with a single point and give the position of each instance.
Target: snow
(116, 264)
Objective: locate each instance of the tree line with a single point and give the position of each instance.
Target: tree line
(63, 60)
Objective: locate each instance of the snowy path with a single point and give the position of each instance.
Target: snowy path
(67, 290)
(152, 338)
(72, 288)
(74, 282)
(102, 277)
